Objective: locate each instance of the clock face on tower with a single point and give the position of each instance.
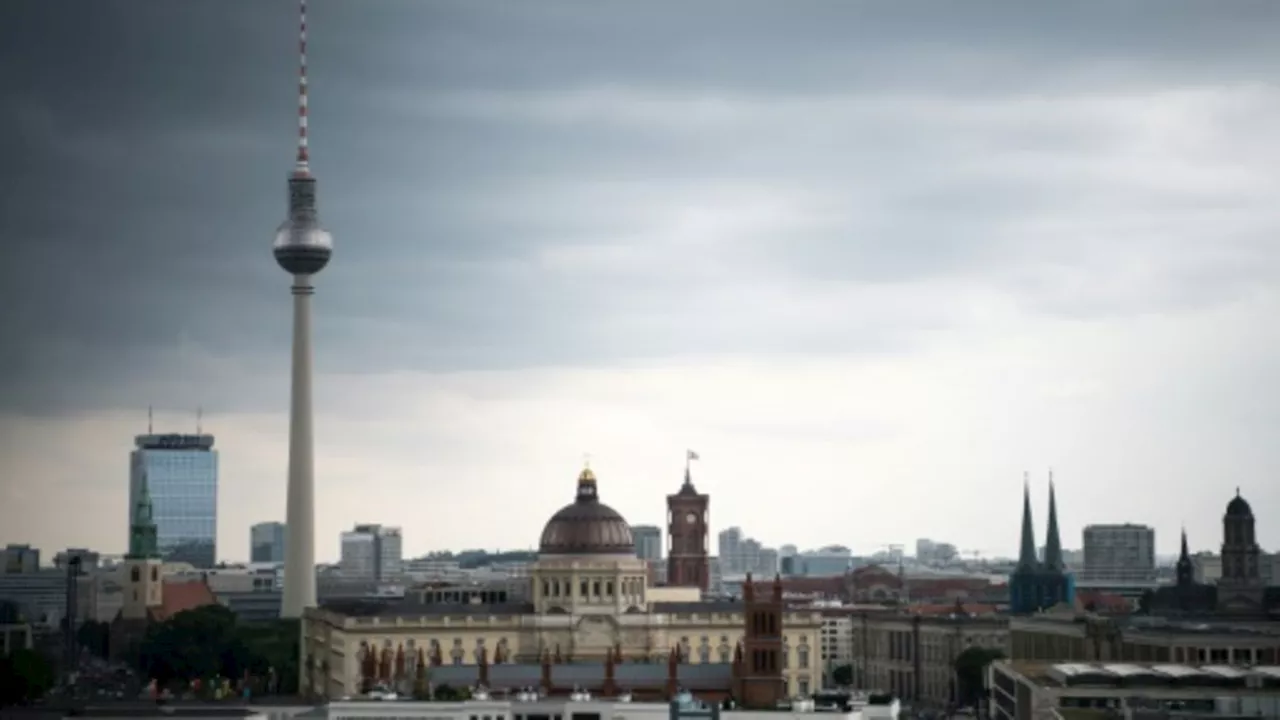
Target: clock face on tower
(691, 518)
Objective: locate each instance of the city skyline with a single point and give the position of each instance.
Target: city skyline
(873, 275)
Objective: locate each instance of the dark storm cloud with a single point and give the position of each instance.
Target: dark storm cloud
(516, 184)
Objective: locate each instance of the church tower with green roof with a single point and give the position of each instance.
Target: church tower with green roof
(144, 587)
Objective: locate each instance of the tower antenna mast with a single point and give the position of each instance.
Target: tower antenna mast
(302, 167)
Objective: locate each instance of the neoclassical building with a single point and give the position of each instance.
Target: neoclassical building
(591, 607)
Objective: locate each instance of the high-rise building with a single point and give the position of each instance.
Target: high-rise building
(1119, 553)
(648, 541)
(730, 550)
(266, 542)
(181, 472)
(16, 559)
(372, 552)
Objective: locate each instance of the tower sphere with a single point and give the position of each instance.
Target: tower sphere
(302, 248)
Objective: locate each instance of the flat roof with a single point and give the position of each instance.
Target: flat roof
(1147, 675)
(1147, 625)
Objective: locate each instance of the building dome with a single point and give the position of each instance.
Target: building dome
(587, 526)
(1239, 507)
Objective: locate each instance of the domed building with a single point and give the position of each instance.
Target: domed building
(587, 562)
(591, 621)
(1240, 591)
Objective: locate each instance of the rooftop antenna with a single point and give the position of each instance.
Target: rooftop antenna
(199, 419)
(150, 425)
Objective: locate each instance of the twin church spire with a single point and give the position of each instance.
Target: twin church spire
(1038, 584)
(1027, 556)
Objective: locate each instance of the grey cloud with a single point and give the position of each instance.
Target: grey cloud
(564, 183)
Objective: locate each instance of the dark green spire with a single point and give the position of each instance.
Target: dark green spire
(1053, 543)
(142, 534)
(1027, 554)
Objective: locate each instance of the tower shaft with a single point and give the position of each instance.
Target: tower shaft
(300, 551)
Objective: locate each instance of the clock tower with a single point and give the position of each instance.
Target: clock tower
(688, 563)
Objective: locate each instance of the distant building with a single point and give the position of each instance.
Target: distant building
(648, 541)
(1119, 553)
(181, 473)
(740, 555)
(1241, 590)
(89, 560)
(372, 552)
(40, 596)
(266, 542)
(1066, 635)
(929, 552)
(1037, 585)
(912, 655)
(827, 561)
(19, 559)
(729, 543)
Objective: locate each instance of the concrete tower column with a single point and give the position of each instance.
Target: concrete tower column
(300, 545)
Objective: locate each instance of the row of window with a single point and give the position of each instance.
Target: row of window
(592, 589)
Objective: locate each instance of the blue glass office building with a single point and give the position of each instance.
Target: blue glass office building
(182, 478)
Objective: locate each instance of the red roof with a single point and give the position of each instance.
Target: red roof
(1103, 602)
(946, 587)
(183, 596)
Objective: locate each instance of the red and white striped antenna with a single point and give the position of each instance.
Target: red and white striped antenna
(303, 167)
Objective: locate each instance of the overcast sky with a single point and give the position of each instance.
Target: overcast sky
(872, 260)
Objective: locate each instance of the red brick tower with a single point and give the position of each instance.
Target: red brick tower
(759, 684)
(688, 562)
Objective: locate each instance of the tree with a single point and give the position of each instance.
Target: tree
(95, 637)
(843, 675)
(206, 642)
(25, 675)
(971, 666)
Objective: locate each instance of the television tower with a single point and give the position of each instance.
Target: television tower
(302, 248)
